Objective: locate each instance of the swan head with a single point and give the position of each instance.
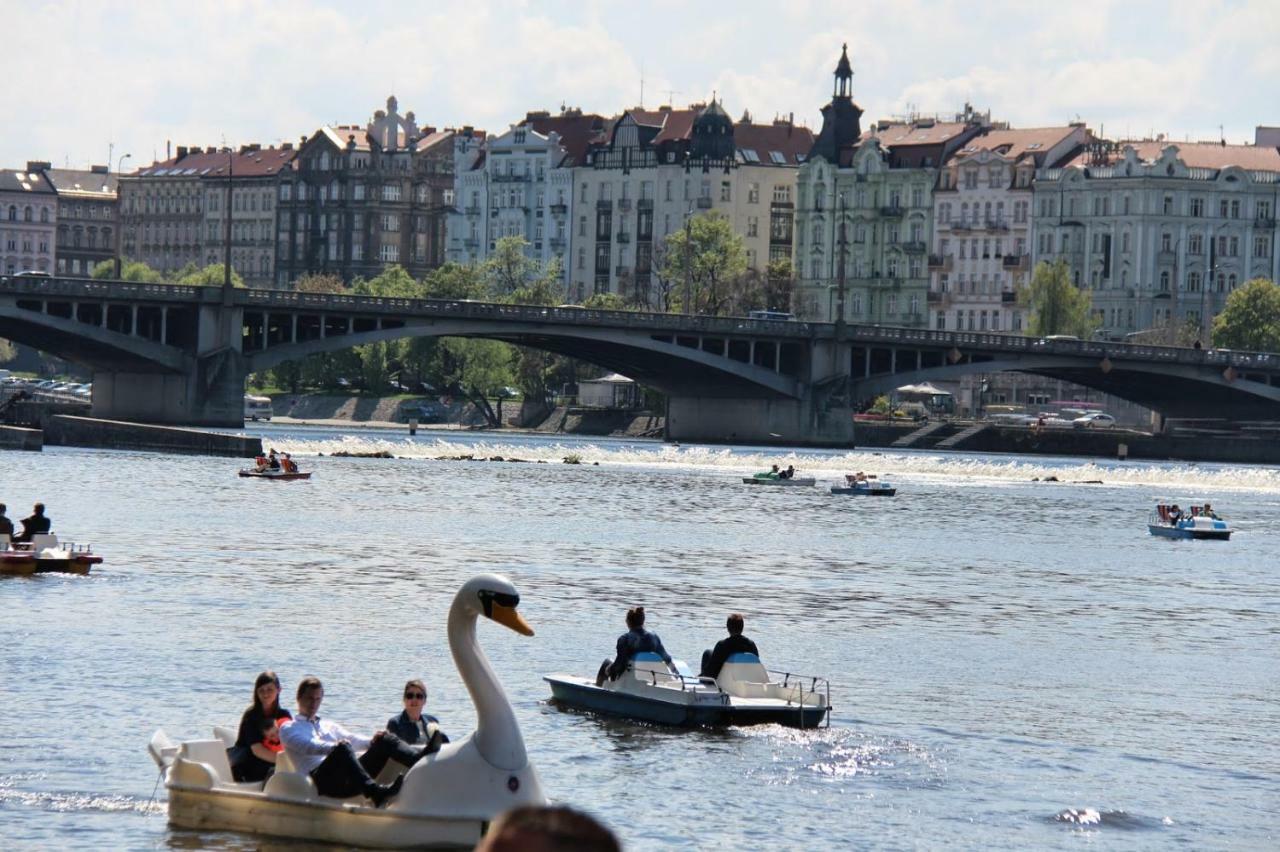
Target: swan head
(496, 599)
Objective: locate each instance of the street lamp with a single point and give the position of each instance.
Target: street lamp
(119, 212)
(840, 248)
(688, 247)
(226, 259)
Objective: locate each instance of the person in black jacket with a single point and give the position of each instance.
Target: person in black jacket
(414, 726)
(251, 758)
(736, 643)
(6, 525)
(37, 523)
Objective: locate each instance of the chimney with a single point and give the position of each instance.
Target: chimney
(182, 151)
(286, 146)
(98, 170)
(38, 165)
(168, 149)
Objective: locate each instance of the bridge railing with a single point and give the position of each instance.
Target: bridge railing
(90, 288)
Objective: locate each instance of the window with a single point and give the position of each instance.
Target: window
(753, 226)
(1197, 207)
(726, 191)
(1166, 241)
(582, 226)
(390, 222)
(782, 194)
(1264, 209)
(753, 193)
(1168, 205)
(391, 192)
(1261, 246)
(1195, 244)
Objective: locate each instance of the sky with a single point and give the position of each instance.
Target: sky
(91, 78)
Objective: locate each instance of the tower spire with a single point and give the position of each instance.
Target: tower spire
(843, 84)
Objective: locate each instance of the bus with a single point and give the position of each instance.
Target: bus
(257, 407)
(783, 316)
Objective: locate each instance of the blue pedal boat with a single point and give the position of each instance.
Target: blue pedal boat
(1196, 525)
(745, 693)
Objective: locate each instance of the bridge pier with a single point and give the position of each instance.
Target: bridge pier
(757, 421)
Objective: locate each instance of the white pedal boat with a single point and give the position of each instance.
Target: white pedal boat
(869, 487)
(448, 798)
(751, 480)
(745, 693)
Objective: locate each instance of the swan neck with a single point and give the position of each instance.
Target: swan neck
(497, 736)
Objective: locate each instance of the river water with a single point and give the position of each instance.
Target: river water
(1015, 664)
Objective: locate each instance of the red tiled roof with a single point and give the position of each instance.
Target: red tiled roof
(433, 139)
(1203, 155)
(201, 163)
(577, 131)
(1016, 143)
(901, 134)
(792, 142)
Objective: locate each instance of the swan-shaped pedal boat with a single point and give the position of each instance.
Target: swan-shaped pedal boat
(447, 799)
(745, 693)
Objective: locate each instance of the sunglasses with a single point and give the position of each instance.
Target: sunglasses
(421, 696)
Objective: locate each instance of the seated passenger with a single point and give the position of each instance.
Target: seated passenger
(789, 473)
(272, 461)
(287, 464)
(1175, 514)
(37, 523)
(412, 725)
(260, 463)
(769, 474)
(1208, 512)
(736, 643)
(251, 758)
(635, 640)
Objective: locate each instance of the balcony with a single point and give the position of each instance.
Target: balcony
(472, 211)
(621, 271)
(997, 225)
(624, 237)
(704, 203)
(1166, 256)
(471, 242)
(1265, 223)
(934, 298)
(891, 211)
(624, 203)
(1015, 261)
(1008, 297)
(508, 178)
(644, 204)
(557, 242)
(937, 261)
(604, 204)
(913, 247)
(559, 209)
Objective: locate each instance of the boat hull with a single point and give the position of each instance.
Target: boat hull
(782, 483)
(332, 820)
(254, 474)
(585, 695)
(864, 492)
(1187, 533)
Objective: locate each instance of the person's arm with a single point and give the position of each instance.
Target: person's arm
(302, 738)
(718, 655)
(263, 753)
(662, 652)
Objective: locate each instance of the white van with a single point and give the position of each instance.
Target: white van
(257, 407)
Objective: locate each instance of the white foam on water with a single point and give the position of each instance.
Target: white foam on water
(823, 465)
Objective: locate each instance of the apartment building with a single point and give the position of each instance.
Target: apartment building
(864, 210)
(28, 219)
(1160, 232)
(174, 213)
(88, 218)
(361, 198)
(519, 184)
(652, 169)
(981, 249)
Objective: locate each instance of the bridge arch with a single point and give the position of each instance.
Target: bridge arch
(90, 345)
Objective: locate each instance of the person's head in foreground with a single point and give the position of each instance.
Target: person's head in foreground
(548, 829)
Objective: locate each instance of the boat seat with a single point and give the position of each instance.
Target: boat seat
(650, 667)
(227, 735)
(4, 541)
(289, 784)
(41, 541)
(212, 753)
(745, 676)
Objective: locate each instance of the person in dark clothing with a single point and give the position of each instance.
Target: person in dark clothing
(251, 759)
(414, 726)
(6, 525)
(272, 461)
(736, 643)
(635, 640)
(37, 523)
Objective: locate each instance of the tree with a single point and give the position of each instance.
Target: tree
(318, 282)
(393, 282)
(779, 284)
(1251, 318)
(713, 255)
(455, 281)
(605, 302)
(509, 268)
(211, 276)
(7, 351)
(130, 270)
(1057, 306)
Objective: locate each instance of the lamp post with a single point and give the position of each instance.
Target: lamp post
(119, 212)
(1212, 267)
(226, 258)
(840, 248)
(688, 248)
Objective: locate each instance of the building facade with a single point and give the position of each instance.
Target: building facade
(361, 199)
(28, 220)
(864, 211)
(519, 184)
(88, 218)
(1158, 232)
(173, 214)
(653, 169)
(981, 249)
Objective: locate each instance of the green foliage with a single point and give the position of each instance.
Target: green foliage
(881, 405)
(392, 282)
(1057, 306)
(456, 281)
(130, 270)
(509, 269)
(1251, 318)
(714, 257)
(320, 283)
(605, 302)
(209, 276)
(7, 351)
(779, 284)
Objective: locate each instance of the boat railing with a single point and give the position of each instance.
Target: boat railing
(819, 686)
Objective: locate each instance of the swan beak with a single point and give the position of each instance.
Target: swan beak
(508, 617)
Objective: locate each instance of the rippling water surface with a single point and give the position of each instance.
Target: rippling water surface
(1015, 664)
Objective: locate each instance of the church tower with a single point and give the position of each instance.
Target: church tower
(841, 119)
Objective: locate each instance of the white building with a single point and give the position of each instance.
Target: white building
(982, 210)
(1160, 232)
(28, 220)
(519, 184)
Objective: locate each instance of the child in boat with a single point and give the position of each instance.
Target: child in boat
(271, 734)
(287, 464)
(260, 463)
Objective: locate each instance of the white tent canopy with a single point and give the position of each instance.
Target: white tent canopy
(923, 389)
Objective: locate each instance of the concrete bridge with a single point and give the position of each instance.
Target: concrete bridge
(174, 354)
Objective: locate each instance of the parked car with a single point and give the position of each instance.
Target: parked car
(1095, 420)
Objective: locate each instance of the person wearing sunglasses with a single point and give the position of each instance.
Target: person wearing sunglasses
(412, 725)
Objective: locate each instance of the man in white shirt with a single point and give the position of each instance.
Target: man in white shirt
(327, 751)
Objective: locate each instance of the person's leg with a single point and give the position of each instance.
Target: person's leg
(706, 661)
(341, 775)
(603, 673)
(389, 747)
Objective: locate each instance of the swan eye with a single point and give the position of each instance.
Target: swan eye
(489, 597)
